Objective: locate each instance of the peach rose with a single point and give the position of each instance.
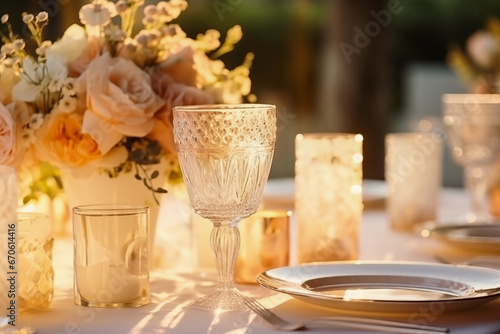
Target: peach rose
(174, 94)
(11, 148)
(120, 101)
(8, 79)
(78, 66)
(61, 141)
(180, 66)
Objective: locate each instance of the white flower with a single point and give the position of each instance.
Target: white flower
(39, 77)
(57, 72)
(18, 44)
(164, 11)
(131, 44)
(484, 48)
(150, 10)
(7, 48)
(29, 132)
(28, 88)
(71, 45)
(148, 37)
(42, 17)
(43, 48)
(10, 62)
(121, 6)
(97, 13)
(28, 18)
(68, 102)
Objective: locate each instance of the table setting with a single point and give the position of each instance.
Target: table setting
(173, 290)
(134, 117)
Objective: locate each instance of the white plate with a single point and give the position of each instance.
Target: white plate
(477, 237)
(391, 287)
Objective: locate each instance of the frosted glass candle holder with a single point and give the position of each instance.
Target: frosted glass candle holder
(328, 195)
(8, 245)
(413, 164)
(36, 274)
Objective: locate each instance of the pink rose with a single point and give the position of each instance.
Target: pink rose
(180, 66)
(91, 52)
(11, 146)
(174, 94)
(120, 101)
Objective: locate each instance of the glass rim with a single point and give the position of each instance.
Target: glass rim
(410, 134)
(328, 135)
(224, 107)
(31, 214)
(110, 209)
(464, 98)
(271, 214)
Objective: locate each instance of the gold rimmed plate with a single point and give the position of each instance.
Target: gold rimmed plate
(475, 236)
(390, 287)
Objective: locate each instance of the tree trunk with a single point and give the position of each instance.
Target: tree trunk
(357, 99)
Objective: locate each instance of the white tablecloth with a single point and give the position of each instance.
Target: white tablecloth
(172, 291)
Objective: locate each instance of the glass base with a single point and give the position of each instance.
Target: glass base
(475, 218)
(227, 300)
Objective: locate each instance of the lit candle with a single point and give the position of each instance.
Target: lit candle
(105, 283)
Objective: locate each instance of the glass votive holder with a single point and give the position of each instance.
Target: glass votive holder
(265, 244)
(413, 164)
(36, 273)
(328, 195)
(8, 243)
(111, 260)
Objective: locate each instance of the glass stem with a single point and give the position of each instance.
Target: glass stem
(476, 182)
(225, 244)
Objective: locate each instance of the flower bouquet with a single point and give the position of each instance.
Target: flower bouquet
(479, 63)
(100, 98)
(479, 67)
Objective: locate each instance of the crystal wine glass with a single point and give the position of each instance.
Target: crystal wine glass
(472, 125)
(225, 154)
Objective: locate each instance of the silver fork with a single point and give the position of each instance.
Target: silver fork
(340, 321)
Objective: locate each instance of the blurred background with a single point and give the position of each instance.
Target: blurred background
(369, 67)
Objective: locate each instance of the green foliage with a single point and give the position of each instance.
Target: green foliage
(47, 180)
